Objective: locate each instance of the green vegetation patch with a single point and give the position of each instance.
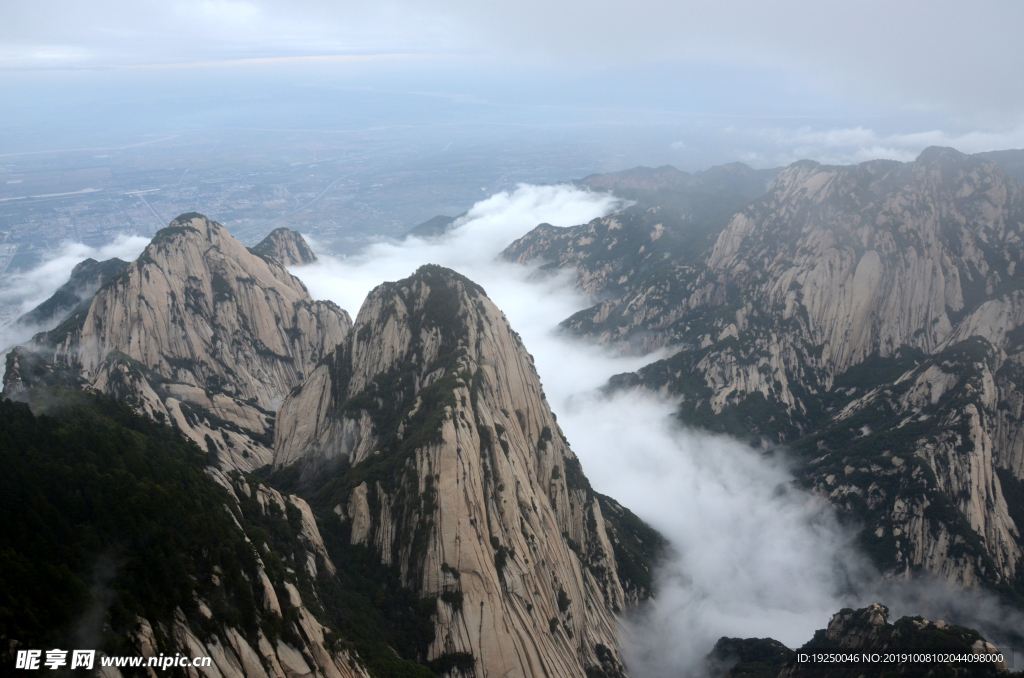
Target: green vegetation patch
(107, 515)
(638, 546)
(748, 658)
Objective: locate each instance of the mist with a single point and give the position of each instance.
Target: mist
(28, 289)
(751, 555)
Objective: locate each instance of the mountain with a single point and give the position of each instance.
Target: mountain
(431, 228)
(436, 449)
(197, 331)
(614, 254)
(853, 635)
(868, 630)
(74, 295)
(421, 512)
(119, 535)
(1012, 162)
(735, 178)
(285, 246)
(865, 316)
(747, 658)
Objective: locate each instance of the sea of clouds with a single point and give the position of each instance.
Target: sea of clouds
(25, 290)
(751, 555)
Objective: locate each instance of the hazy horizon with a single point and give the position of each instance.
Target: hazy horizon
(679, 83)
(353, 122)
(751, 553)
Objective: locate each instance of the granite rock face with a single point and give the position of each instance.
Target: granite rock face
(285, 246)
(303, 651)
(448, 463)
(420, 437)
(865, 316)
(198, 332)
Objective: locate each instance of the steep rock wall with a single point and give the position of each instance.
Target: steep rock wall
(202, 333)
(450, 465)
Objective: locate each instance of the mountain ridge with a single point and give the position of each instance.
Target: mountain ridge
(735, 177)
(836, 315)
(197, 331)
(436, 411)
(460, 528)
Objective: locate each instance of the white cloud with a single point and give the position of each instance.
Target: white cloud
(489, 227)
(32, 287)
(28, 289)
(845, 146)
(754, 556)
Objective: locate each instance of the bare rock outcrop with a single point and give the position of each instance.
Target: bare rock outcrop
(864, 644)
(448, 464)
(833, 265)
(201, 333)
(285, 246)
(301, 645)
(867, 316)
(935, 648)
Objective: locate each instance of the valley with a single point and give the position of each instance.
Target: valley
(403, 499)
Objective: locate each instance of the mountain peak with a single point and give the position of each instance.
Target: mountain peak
(883, 293)
(74, 296)
(430, 420)
(940, 154)
(434, 227)
(201, 332)
(640, 178)
(286, 246)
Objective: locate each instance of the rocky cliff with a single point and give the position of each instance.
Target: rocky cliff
(856, 632)
(74, 295)
(734, 177)
(865, 315)
(429, 516)
(117, 537)
(853, 635)
(198, 332)
(285, 246)
(429, 437)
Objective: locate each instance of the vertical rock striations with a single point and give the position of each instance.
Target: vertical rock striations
(441, 455)
(201, 333)
(287, 247)
(869, 317)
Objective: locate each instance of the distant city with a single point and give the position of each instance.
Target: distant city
(343, 190)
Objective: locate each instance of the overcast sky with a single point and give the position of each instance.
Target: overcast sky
(865, 78)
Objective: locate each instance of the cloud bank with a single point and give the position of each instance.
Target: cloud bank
(752, 555)
(26, 290)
